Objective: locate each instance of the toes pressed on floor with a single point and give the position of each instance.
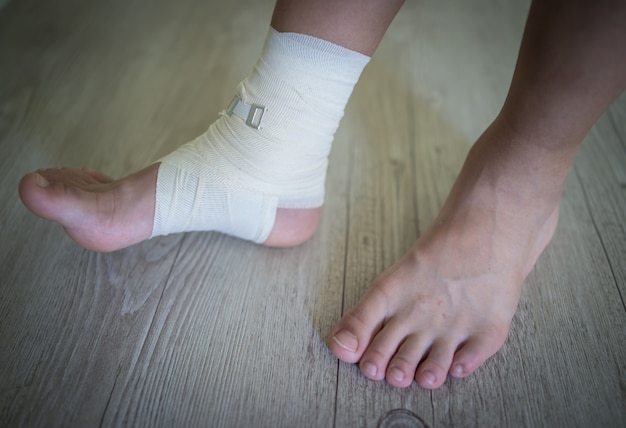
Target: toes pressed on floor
(457, 371)
(396, 375)
(427, 379)
(474, 353)
(415, 358)
(370, 370)
(400, 377)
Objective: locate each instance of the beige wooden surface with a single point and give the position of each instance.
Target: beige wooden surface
(206, 330)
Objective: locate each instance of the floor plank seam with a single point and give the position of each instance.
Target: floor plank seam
(336, 396)
(154, 315)
(347, 235)
(345, 261)
(106, 407)
(410, 110)
(597, 230)
(432, 408)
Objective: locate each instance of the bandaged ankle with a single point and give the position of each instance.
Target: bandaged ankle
(268, 150)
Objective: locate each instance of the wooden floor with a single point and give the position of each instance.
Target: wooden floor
(206, 330)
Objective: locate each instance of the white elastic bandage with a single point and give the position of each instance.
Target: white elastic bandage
(269, 150)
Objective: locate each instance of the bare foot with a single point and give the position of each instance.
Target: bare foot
(447, 305)
(103, 214)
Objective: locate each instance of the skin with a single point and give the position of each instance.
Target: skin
(447, 305)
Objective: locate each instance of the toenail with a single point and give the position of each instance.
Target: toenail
(346, 340)
(41, 181)
(458, 370)
(429, 377)
(369, 368)
(396, 374)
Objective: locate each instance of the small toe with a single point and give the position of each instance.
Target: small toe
(401, 369)
(432, 372)
(380, 351)
(472, 354)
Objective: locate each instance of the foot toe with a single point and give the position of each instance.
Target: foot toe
(55, 197)
(401, 370)
(346, 340)
(432, 372)
(353, 333)
(376, 358)
(36, 190)
(472, 354)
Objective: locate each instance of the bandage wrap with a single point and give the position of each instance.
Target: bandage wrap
(233, 177)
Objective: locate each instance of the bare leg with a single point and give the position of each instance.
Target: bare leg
(447, 305)
(104, 214)
(354, 24)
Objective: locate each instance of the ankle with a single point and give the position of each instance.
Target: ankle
(518, 169)
(269, 149)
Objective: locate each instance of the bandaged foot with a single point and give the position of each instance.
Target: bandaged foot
(268, 150)
(257, 173)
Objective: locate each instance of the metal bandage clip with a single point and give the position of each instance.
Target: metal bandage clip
(251, 114)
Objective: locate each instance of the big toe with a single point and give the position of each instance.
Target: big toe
(36, 193)
(57, 195)
(354, 331)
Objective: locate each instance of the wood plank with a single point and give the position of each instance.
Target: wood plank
(239, 331)
(382, 219)
(235, 344)
(204, 329)
(239, 336)
(77, 96)
(601, 171)
(63, 311)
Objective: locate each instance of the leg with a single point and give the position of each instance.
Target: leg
(353, 24)
(447, 305)
(233, 161)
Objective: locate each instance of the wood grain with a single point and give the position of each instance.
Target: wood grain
(206, 330)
